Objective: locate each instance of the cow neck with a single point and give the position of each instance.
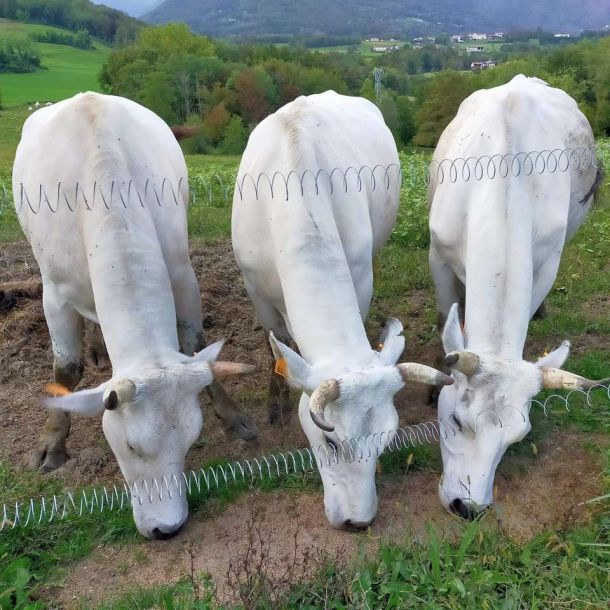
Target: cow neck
(133, 295)
(499, 274)
(322, 307)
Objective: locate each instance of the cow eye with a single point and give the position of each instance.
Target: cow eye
(457, 422)
(133, 450)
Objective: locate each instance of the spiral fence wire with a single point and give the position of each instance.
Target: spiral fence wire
(42, 511)
(214, 188)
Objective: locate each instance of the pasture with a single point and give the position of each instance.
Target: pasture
(268, 545)
(65, 70)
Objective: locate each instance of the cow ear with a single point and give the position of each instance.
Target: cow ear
(391, 342)
(556, 358)
(453, 337)
(86, 402)
(209, 353)
(291, 366)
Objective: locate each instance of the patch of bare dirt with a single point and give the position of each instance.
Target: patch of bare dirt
(549, 495)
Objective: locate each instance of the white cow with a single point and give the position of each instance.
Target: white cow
(307, 266)
(497, 244)
(128, 269)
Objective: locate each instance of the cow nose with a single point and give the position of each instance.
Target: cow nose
(356, 526)
(159, 534)
(466, 511)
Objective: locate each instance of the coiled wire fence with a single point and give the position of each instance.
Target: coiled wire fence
(217, 185)
(42, 511)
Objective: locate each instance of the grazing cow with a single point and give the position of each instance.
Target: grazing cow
(497, 244)
(307, 265)
(127, 268)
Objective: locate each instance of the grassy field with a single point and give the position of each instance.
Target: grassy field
(364, 48)
(66, 70)
(483, 569)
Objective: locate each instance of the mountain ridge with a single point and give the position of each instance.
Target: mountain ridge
(397, 18)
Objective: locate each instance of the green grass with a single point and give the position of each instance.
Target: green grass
(66, 70)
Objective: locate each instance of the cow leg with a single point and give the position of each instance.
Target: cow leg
(449, 290)
(66, 329)
(279, 407)
(191, 339)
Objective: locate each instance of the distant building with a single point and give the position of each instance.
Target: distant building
(561, 35)
(496, 36)
(457, 38)
(374, 39)
(482, 65)
(475, 49)
(475, 36)
(386, 49)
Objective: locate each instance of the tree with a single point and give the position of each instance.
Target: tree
(158, 94)
(367, 90)
(173, 39)
(405, 108)
(387, 105)
(444, 94)
(255, 94)
(216, 123)
(236, 137)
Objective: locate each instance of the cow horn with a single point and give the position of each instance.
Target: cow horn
(222, 369)
(411, 371)
(464, 362)
(120, 392)
(326, 392)
(557, 379)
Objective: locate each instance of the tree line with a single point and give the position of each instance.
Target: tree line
(79, 40)
(18, 56)
(101, 22)
(227, 89)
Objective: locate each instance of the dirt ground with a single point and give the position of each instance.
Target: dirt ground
(289, 524)
(26, 363)
(545, 492)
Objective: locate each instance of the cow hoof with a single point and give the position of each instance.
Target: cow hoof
(241, 427)
(45, 459)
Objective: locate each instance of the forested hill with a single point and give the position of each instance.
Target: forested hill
(397, 18)
(105, 23)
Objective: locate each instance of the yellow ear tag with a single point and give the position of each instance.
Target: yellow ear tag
(56, 389)
(281, 368)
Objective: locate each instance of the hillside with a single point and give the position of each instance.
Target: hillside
(66, 70)
(382, 17)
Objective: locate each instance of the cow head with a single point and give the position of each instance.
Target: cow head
(347, 411)
(150, 420)
(486, 410)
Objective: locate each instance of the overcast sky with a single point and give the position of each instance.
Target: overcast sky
(133, 7)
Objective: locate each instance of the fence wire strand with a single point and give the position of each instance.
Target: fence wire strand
(222, 188)
(255, 470)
